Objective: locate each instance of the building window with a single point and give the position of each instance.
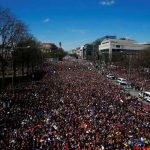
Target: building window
(117, 46)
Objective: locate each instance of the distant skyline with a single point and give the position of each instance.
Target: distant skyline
(77, 22)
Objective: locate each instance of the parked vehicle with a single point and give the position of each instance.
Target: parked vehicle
(145, 95)
(110, 76)
(122, 81)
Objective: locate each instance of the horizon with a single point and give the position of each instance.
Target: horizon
(75, 23)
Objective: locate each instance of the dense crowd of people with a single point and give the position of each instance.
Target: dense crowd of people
(72, 108)
(140, 78)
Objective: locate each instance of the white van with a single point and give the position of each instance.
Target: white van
(110, 76)
(122, 81)
(145, 95)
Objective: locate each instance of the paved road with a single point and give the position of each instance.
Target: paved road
(136, 93)
(133, 92)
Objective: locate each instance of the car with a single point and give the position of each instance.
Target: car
(145, 95)
(110, 76)
(122, 81)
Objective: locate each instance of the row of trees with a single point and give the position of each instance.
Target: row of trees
(18, 48)
(57, 53)
(138, 60)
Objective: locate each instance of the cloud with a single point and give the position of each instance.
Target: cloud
(107, 2)
(46, 20)
(81, 31)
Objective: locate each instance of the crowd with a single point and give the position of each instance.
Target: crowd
(140, 78)
(72, 108)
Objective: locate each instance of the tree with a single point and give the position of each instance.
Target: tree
(74, 55)
(13, 32)
(6, 24)
(88, 49)
(119, 58)
(145, 58)
(60, 53)
(28, 54)
(54, 52)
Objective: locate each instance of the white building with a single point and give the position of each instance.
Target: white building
(78, 51)
(126, 46)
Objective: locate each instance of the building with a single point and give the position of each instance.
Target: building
(48, 47)
(122, 45)
(78, 51)
(90, 50)
(106, 37)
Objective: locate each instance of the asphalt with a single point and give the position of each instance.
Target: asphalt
(132, 92)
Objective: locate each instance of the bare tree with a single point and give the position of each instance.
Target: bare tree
(6, 22)
(145, 58)
(28, 53)
(12, 31)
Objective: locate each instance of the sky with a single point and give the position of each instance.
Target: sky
(77, 22)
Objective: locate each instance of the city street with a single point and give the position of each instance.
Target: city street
(132, 92)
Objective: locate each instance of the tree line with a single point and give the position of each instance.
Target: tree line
(19, 49)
